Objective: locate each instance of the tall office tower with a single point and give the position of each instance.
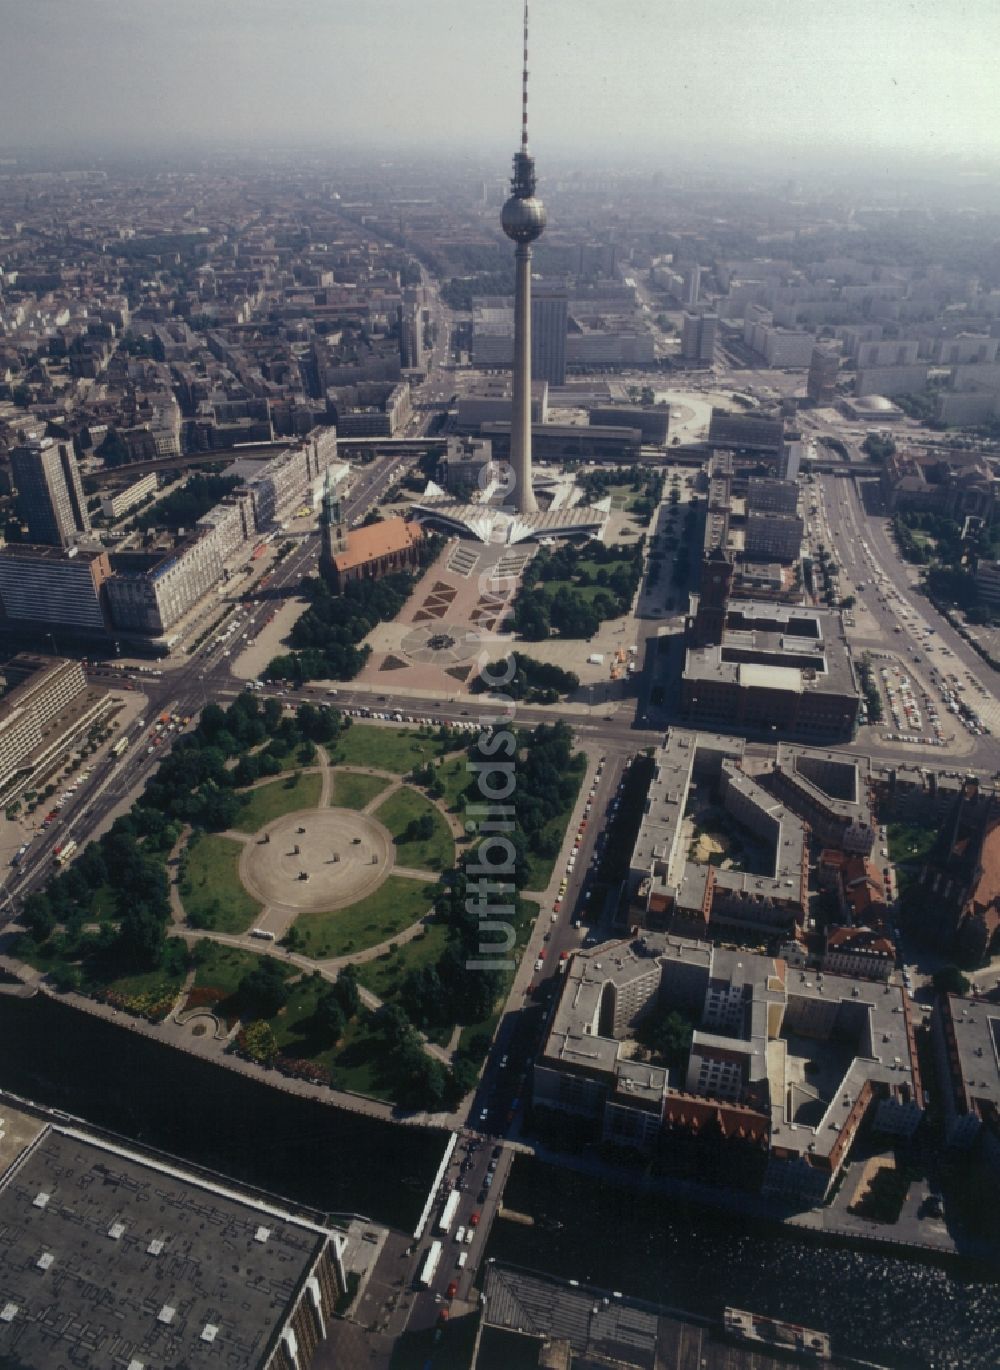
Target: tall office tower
(821, 383)
(549, 323)
(411, 336)
(692, 285)
(49, 494)
(523, 220)
(698, 334)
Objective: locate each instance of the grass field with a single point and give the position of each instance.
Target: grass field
(909, 842)
(353, 791)
(394, 906)
(211, 891)
(405, 806)
(384, 975)
(269, 802)
(387, 749)
(222, 968)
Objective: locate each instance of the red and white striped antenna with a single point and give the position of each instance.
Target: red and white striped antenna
(524, 86)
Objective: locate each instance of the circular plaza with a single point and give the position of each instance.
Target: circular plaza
(316, 860)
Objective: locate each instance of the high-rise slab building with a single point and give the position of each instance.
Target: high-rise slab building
(698, 334)
(821, 383)
(523, 220)
(49, 493)
(692, 285)
(549, 326)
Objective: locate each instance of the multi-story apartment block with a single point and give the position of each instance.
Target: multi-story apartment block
(47, 707)
(158, 591)
(121, 501)
(50, 496)
(786, 1127)
(699, 332)
(772, 496)
(666, 889)
(966, 1036)
(549, 324)
(53, 586)
(887, 352)
(821, 383)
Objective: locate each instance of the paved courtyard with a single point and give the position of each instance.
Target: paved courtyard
(452, 619)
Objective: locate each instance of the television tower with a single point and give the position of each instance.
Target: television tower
(523, 219)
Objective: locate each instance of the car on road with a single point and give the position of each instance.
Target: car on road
(474, 1220)
(452, 1290)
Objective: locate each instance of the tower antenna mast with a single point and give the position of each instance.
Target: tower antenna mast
(524, 86)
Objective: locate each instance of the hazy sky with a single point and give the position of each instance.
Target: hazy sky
(632, 76)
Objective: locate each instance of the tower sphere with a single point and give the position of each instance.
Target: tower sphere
(523, 219)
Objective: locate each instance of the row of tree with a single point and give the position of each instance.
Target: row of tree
(534, 682)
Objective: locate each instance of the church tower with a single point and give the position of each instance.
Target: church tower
(333, 534)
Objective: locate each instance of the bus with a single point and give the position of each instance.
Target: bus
(120, 746)
(430, 1265)
(449, 1211)
(65, 852)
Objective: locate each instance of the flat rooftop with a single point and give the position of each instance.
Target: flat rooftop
(109, 1259)
(977, 1037)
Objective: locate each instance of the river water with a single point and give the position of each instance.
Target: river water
(898, 1313)
(326, 1157)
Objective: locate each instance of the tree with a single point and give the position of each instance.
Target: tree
(669, 1037)
(141, 936)
(347, 992)
(330, 1017)
(263, 992)
(950, 980)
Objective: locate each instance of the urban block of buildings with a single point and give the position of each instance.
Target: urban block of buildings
(784, 1065)
(64, 579)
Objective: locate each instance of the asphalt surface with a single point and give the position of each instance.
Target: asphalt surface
(850, 526)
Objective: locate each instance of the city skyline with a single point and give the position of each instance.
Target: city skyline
(640, 79)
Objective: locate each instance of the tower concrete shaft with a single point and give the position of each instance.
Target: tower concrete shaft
(520, 416)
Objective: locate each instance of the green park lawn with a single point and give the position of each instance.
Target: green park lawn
(351, 790)
(909, 842)
(386, 973)
(406, 806)
(268, 802)
(211, 891)
(394, 906)
(147, 982)
(221, 968)
(386, 749)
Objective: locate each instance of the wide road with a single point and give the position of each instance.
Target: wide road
(861, 544)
